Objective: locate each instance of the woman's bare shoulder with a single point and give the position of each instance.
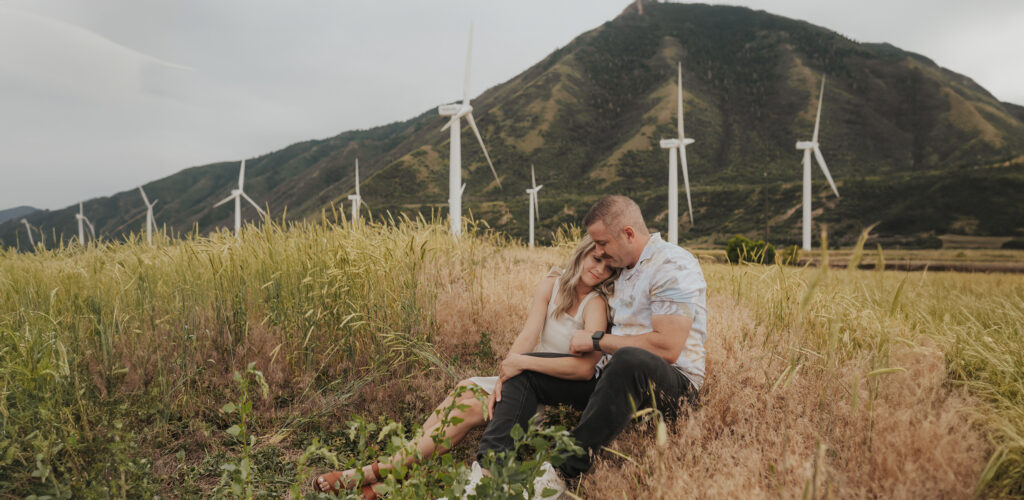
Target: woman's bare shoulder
(545, 287)
(596, 302)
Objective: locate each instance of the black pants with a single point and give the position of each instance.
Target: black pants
(608, 402)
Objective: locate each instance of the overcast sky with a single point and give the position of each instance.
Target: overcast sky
(99, 96)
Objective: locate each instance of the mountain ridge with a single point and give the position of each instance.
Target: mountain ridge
(16, 212)
(590, 114)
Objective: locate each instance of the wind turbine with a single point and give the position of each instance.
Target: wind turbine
(28, 229)
(81, 230)
(237, 195)
(808, 147)
(677, 148)
(355, 198)
(534, 209)
(150, 224)
(457, 111)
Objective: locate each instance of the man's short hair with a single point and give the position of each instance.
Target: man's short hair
(616, 212)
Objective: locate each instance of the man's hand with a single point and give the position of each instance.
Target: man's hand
(581, 342)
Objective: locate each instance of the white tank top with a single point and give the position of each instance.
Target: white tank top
(558, 330)
(554, 337)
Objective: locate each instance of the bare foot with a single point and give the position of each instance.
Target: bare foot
(335, 481)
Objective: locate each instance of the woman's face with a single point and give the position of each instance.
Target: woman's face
(594, 269)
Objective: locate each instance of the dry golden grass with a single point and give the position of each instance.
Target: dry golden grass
(778, 415)
(747, 440)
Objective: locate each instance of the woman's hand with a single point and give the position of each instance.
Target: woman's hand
(512, 366)
(493, 398)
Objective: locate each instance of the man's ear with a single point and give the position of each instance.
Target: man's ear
(630, 233)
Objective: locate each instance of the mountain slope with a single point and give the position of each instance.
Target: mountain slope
(590, 115)
(15, 213)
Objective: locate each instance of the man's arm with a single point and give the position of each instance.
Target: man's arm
(666, 340)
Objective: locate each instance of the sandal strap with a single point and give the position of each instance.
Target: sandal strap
(368, 493)
(375, 468)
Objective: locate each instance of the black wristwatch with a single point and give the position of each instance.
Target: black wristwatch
(596, 337)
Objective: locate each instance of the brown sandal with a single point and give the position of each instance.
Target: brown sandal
(336, 485)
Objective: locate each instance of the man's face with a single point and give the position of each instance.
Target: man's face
(611, 246)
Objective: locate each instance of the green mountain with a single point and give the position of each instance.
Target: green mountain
(917, 147)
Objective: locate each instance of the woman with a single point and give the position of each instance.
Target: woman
(562, 303)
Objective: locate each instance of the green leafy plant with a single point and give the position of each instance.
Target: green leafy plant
(512, 472)
(237, 479)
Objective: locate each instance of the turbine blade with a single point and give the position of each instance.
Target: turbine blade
(450, 122)
(144, 198)
(357, 176)
(225, 200)
(536, 206)
(817, 119)
(679, 99)
(253, 203)
(80, 211)
(469, 55)
(686, 181)
(241, 175)
(824, 168)
(472, 123)
(533, 178)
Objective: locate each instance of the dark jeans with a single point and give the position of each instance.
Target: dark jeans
(608, 402)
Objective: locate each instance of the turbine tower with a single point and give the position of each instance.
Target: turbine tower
(355, 198)
(28, 229)
(237, 195)
(677, 149)
(150, 224)
(81, 229)
(808, 147)
(534, 209)
(457, 111)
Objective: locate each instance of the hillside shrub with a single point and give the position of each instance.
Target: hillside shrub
(743, 249)
(1014, 244)
(790, 256)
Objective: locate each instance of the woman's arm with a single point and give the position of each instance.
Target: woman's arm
(595, 317)
(529, 336)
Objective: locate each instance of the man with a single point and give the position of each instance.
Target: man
(657, 339)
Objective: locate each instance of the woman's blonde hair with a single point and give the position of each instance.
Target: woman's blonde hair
(570, 277)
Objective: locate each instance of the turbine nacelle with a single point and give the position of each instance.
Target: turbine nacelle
(454, 109)
(670, 143)
(806, 145)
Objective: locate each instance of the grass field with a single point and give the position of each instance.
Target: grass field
(116, 364)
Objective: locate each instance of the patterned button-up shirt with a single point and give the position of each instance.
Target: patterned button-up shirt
(666, 280)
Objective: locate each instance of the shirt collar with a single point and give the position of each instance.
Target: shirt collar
(645, 255)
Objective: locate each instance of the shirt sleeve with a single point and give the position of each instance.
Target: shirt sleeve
(676, 290)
